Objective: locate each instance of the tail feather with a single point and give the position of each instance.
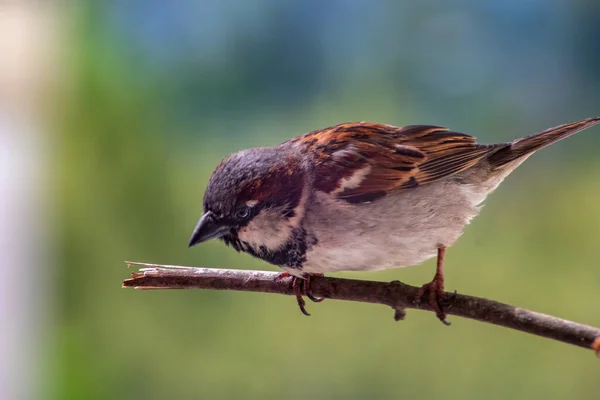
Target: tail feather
(526, 146)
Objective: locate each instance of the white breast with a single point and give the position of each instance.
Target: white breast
(396, 231)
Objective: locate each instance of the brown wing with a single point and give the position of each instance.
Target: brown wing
(360, 162)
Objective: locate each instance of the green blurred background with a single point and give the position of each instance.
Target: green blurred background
(143, 99)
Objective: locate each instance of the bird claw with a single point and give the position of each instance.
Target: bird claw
(435, 290)
(314, 299)
(596, 346)
(307, 290)
(297, 284)
(301, 287)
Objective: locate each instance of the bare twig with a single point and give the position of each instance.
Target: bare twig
(393, 294)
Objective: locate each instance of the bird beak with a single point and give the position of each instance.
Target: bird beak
(209, 227)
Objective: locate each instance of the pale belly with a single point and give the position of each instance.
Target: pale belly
(397, 231)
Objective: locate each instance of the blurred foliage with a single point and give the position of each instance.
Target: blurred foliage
(152, 110)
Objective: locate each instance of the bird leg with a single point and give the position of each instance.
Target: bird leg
(301, 287)
(435, 288)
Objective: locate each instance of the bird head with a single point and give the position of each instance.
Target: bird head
(254, 201)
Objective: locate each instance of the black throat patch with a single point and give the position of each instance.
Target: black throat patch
(292, 255)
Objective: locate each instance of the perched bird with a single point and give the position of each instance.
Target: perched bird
(360, 196)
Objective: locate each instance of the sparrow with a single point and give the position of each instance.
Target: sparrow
(360, 196)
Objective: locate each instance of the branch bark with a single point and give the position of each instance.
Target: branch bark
(395, 294)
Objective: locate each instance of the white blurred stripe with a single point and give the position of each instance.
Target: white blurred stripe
(26, 45)
(20, 249)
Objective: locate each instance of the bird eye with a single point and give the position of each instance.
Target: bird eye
(243, 213)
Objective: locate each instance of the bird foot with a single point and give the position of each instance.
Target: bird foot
(301, 287)
(434, 290)
(596, 346)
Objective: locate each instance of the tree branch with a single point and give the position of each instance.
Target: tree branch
(395, 294)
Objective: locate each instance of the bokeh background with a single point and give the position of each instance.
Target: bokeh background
(113, 115)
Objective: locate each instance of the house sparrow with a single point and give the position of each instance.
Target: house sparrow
(360, 196)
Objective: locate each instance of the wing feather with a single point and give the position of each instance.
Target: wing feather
(362, 161)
